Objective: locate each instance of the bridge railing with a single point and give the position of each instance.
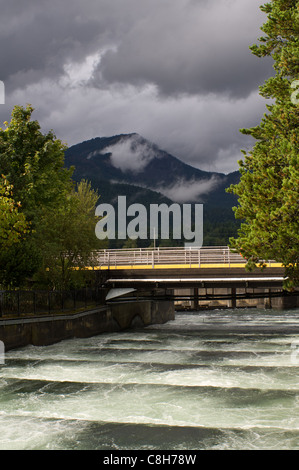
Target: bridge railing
(192, 257)
(37, 302)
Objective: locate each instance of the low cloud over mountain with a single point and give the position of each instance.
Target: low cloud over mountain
(132, 160)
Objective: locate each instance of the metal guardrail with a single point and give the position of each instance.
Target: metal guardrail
(20, 302)
(192, 257)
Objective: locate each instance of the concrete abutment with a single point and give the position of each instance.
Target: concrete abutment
(46, 330)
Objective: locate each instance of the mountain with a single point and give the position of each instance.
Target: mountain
(130, 165)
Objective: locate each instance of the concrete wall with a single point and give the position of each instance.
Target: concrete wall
(142, 313)
(42, 331)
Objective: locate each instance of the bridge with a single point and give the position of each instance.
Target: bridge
(171, 258)
(141, 287)
(188, 274)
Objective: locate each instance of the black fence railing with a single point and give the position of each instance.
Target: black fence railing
(21, 302)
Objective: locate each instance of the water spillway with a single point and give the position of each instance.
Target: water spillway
(222, 379)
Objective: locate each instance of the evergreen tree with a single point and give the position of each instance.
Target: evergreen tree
(268, 191)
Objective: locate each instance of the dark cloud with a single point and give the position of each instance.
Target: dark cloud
(178, 72)
(40, 37)
(190, 47)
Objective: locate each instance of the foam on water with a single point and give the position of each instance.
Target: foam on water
(230, 376)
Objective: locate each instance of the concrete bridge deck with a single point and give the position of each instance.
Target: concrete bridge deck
(183, 267)
(202, 273)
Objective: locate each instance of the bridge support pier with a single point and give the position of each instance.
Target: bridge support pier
(233, 301)
(195, 302)
(268, 300)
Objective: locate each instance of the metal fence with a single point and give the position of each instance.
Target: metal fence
(166, 256)
(21, 302)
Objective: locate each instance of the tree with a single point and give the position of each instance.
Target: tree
(51, 232)
(14, 230)
(67, 239)
(33, 163)
(13, 225)
(268, 192)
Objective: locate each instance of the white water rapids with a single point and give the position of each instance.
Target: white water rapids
(225, 379)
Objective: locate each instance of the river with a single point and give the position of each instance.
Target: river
(221, 379)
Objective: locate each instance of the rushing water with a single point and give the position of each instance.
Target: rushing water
(210, 380)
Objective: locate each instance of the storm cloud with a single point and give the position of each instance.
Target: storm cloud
(177, 72)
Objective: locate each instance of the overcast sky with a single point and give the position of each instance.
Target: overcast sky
(178, 72)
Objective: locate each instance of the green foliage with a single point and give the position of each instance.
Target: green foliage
(13, 225)
(268, 190)
(67, 238)
(14, 235)
(18, 263)
(50, 229)
(33, 163)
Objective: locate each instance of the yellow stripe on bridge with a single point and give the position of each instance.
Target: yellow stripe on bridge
(178, 266)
